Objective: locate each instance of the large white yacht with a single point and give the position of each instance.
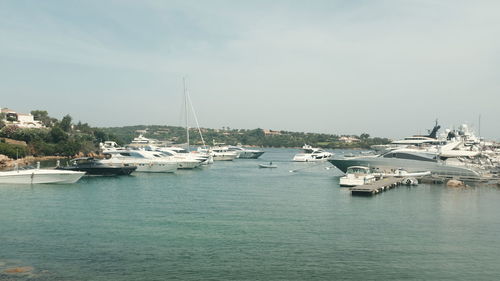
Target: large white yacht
(37, 176)
(312, 154)
(245, 153)
(415, 160)
(145, 161)
(184, 159)
(142, 141)
(413, 141)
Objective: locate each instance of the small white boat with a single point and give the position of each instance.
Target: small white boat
(312, 154)
(270, 165)
(38, 176)
(357, 175)
(402, 173)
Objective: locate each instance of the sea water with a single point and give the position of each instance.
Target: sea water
(235, 221)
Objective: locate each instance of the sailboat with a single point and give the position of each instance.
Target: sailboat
(203, 152)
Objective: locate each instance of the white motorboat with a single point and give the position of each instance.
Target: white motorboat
(312, 154)
(184, 158)
(39, 176)
(357, 175)
(222, 153)
(402, 173)
(270, 165)
(146, 161)
(245, 153)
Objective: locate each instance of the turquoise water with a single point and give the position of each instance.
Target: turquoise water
(234, 221)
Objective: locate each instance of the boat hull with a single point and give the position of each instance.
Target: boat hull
(224, 156)
(267, 166)
(40, 177)
(412, 166)
(250, 154)
(188, 164)
(156, 167)
(103, 171)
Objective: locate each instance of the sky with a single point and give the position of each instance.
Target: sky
(386, 68)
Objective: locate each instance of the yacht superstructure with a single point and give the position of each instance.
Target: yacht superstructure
(312, 154)
(145, 161)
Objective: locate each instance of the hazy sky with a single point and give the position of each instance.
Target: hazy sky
(387, 68)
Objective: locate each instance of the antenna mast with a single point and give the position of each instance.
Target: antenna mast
(479, 126)
(187, 113)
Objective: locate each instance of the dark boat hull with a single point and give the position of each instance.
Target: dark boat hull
(103, 171)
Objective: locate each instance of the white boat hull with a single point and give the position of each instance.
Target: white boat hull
(350, 182)
(224, 156)
(310, 158)
(156, 167)
(186, 164)
(40, 176)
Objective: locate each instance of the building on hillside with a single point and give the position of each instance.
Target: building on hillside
(348, 139)
(271, 133)
(21, 120)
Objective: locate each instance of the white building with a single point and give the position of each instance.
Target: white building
(348, 139)
(21, 120)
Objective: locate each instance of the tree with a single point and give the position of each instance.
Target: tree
(2, 121)
(65, 123)
(43, 116)
(58, 135)
(364, 136)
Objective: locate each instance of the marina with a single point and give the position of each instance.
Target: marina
(249, 140)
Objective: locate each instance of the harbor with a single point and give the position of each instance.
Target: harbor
(249, 140)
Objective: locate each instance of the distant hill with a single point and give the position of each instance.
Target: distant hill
(254, 137)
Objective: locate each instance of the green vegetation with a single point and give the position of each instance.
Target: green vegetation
(255, 137)
(12, 151)
(61, 138)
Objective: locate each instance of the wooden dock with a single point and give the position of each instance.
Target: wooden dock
(376, 187)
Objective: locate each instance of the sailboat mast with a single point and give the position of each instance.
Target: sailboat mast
(187, 112)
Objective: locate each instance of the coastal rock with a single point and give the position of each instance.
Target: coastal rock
(455, 183)
(19, 270)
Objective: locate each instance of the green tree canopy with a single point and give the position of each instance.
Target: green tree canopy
(65, 123)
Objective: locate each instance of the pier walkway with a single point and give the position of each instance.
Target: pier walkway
(376, 187)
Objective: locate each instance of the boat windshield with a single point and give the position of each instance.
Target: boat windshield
(357, 170)
(419, 156)
(128, 154)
